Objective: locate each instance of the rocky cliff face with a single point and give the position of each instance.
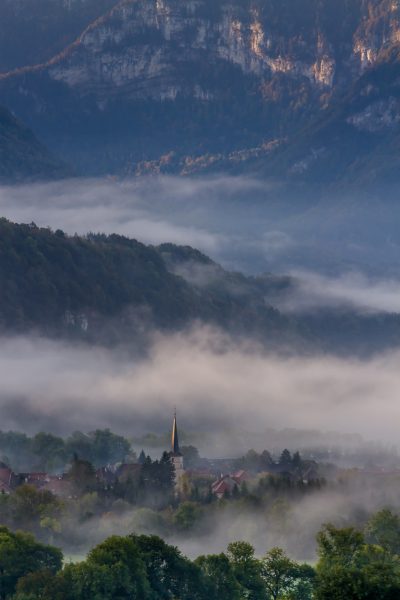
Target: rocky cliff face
(199, 77)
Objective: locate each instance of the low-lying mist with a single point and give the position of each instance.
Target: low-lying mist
(216, 382)
(289, 521)
(234, 392)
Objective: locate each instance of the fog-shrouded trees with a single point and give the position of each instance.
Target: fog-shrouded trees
(145, 567)
(47, 452)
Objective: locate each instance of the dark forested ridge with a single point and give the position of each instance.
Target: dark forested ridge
(100, 283)
(111, 288)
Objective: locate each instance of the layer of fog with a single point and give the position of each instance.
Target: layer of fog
(290, 522)
(350, 290)
(216, 383)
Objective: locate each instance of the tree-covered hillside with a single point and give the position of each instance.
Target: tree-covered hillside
(109, 285)
(110, 289)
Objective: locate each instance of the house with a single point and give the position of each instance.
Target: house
(58, 485)
(36, 479)
(225, 484)
(240, 476)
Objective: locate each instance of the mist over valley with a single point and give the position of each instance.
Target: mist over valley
(199, 300)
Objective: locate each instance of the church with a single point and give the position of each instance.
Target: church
(176, 455)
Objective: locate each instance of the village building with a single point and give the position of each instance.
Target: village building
(58, 485)
(36, 479)
(226, 484)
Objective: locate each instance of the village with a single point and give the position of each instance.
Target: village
(221, 478)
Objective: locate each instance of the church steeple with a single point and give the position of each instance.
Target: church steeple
(174, 439)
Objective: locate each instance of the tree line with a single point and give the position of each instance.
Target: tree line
(352, 565)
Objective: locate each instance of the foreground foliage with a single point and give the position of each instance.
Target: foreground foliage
(141, 567)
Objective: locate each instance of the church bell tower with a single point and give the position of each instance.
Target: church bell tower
(176, 456)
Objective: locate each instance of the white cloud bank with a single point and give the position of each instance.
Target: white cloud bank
(214, 382)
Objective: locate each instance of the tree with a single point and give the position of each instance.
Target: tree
(251, 461)
(266, 461)
(79, 444)
(349, 568)
(50, 450)
(82, 475)
(40, 584)
(170, 574)
(109, 447)
(156, 484)
(220, 573)
(285, 460)
(30, 506)
(279, 573)
(187, 515)
(296, 461)
(384, 529)
(20, 554)
(247, 570)
(113, 570)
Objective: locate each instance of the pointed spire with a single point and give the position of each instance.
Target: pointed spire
(174, 439)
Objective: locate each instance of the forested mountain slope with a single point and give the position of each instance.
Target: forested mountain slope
(110, 289)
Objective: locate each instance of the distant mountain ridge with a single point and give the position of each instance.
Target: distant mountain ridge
(171, 86)
(32, 33)
(22, 156)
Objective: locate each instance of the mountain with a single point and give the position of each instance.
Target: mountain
(22, 157)
(172, 86)
(111, 289)
(356, 141)
(32, 32)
